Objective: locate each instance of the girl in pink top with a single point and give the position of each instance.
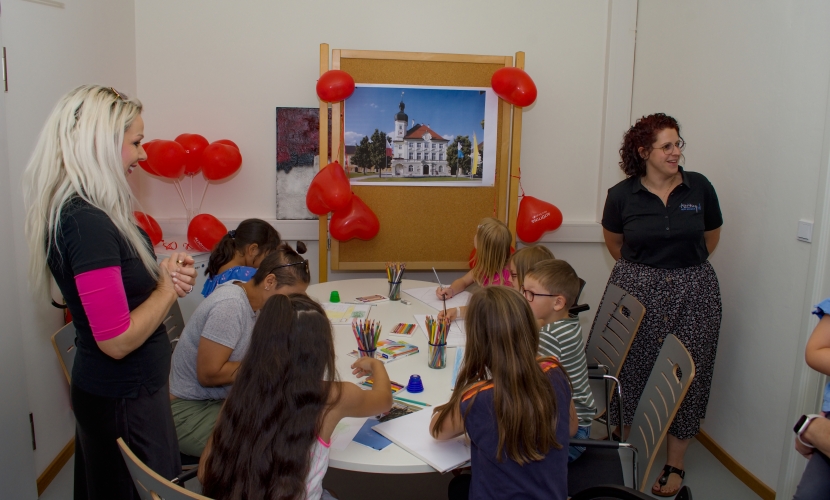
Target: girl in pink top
(492, 243)
(272, 436)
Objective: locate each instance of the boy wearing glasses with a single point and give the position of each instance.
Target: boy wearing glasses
(551, 287)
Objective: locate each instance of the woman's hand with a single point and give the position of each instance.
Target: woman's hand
(182, 272)
(364, 367)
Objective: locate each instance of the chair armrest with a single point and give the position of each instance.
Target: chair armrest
(185, 476)
(595, 443)
(578, 309)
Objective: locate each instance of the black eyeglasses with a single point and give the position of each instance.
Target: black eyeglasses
(532, 295)
(303, 263)
(669, 147)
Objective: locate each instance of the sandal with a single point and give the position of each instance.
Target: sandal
(664, 479)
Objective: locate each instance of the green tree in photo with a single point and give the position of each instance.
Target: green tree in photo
(454, 162)
(361, 157)
(377, 152)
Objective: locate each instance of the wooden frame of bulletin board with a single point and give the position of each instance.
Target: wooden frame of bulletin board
(425, 227)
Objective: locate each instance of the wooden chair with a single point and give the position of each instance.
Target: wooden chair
(149, 484)
(174, 322)
(615, 326)
(667, 385)
(63, 341)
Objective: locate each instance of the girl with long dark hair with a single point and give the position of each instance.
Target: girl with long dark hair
(239, 253)
(516, 409)
(215, 340)
(273, 434)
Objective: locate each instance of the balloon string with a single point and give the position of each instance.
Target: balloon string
(207, 183)
(179, 190)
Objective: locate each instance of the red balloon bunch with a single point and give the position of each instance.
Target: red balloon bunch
(189, 154)
(514, 86)
(535, 218)
(150, 226)
(335, 85)
(204, 232)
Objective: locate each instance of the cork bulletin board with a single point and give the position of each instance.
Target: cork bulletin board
(423, 226)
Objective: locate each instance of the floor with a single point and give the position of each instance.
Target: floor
(706, 477)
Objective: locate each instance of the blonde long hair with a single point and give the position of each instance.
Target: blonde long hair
(79, 154)
(493, 240)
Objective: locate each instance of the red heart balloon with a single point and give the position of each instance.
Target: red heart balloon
(355, 221)
(535, 218)
(514, 86)
(146, 163)
(220, 161)
(335, 85)
(204, 232)
(150, 226)
(168, 158)
(194, 145)
(329, 191)
(227, 142)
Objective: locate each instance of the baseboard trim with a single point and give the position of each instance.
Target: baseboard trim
(53, 468)
(732, 465)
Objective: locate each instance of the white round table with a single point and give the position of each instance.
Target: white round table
(437, 390)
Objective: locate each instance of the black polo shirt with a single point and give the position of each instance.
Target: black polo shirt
(664, 236)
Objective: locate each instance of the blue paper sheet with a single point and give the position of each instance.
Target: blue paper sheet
(368, 437)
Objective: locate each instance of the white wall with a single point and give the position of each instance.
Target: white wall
(748, 82)
(50, 51)
(220, 68)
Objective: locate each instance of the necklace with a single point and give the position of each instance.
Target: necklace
(672, 183)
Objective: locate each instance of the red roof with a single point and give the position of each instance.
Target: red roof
(419, 130)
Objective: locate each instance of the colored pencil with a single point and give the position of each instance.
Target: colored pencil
(411, 401)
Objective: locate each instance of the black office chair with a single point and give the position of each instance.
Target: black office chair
(616, 492)
(577, 308)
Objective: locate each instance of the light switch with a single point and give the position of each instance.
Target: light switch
(805, 231)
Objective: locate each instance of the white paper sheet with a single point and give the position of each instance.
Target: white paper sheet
(427, 296)
(345, 431)
(411, 432)
(456, 337)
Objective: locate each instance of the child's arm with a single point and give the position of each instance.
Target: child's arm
(457, 286)
(453, 313)
(574, 423)
(452, 426)
(818, 347)
(355, 402)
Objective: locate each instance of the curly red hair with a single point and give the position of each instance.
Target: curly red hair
(642, 135)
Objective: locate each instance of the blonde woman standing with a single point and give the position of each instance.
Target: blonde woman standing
(81, 231)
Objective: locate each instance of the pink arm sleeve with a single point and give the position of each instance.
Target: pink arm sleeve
(105, 302)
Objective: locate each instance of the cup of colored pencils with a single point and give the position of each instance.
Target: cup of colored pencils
(394, 273)
(437, 332)
(366, 332)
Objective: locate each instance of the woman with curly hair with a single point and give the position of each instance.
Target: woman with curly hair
(660, 225)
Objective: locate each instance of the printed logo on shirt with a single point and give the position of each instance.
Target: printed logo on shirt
(688, 207)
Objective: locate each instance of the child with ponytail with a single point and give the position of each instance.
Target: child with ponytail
(239, 253)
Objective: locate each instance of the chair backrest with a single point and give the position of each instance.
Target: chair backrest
(615, 326)
(174, 322)
(149, 484)
(667, 385)
(64, 343)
